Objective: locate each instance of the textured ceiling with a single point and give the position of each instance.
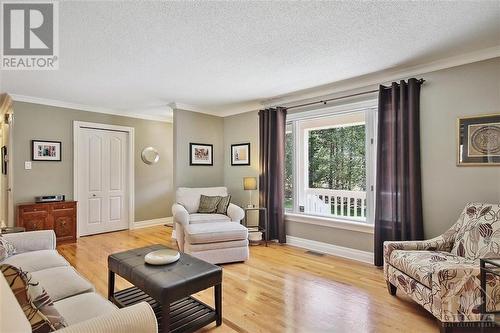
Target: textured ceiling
(139, 56)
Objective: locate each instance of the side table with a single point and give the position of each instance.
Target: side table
(264, 229)
(488, 266)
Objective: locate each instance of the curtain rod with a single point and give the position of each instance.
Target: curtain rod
(324, 101)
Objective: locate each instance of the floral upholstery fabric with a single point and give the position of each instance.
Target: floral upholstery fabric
(479, 235)
(443, 276)
(417, 291)
(420, 265)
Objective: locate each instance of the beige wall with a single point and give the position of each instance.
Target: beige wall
(241, 128)
(447, 94)
(153, 183)
(467, 90)
(198, 128)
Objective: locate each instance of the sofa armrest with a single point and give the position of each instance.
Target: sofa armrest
(138, 318)
(236, 213)
(32, 240)
(180, 214)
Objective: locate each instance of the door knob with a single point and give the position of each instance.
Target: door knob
(93, 195)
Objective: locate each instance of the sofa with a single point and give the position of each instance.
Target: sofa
(443, 274)
(73, 296)
(215, 238)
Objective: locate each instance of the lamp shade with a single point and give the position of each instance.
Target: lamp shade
(249, 183)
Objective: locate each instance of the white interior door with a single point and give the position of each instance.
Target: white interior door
(102, 181)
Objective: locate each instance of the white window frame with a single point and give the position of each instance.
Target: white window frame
(370, 108)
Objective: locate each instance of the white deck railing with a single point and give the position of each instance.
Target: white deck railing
(339, 203)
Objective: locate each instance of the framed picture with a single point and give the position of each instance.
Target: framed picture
(42, 150)
(240, 154)
(479, 140)
(4, 160)
(201, 154)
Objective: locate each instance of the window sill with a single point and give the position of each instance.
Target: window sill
(330, 222)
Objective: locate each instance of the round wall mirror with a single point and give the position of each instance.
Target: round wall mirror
(150, 155)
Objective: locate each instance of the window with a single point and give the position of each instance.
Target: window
(330, 165)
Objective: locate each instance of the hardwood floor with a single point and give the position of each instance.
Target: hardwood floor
(280, 289)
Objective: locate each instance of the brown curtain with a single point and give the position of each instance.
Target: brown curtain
(272, 124)
(398, 206)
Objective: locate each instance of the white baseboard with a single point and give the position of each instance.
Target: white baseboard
(327, 248)
(149, 223)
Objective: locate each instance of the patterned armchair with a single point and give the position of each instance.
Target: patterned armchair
(442, 274)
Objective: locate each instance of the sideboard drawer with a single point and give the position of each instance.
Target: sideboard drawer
(64, 205)
(35, 208)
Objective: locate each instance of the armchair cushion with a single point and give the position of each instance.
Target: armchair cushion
(215, 232)
(421, 265)
(479, 235)
(207, 218)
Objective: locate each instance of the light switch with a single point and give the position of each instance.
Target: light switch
(27, 165)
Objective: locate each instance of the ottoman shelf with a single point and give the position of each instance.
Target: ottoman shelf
(186, 315)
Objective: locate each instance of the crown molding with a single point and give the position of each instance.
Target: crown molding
(88, 108)
(384, 76)
(191, 107)
(223, 111)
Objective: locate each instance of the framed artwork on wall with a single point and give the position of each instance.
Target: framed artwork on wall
(479, 140)
(201, 154)
(42, 150)
(240, 154)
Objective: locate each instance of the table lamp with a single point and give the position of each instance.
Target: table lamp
(250, 184)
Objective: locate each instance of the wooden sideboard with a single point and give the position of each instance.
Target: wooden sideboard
(57, 216)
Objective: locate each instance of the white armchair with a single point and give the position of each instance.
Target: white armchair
(211, 237)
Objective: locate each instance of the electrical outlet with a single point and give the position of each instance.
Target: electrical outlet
(27, 165)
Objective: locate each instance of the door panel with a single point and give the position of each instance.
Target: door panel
(95, 163)
(116, 164)
(115, 208)
(101, 181)
(95, 211)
